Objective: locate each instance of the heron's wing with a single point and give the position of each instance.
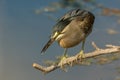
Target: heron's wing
(67, 18)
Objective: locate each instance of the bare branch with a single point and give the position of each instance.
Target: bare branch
(109, 49)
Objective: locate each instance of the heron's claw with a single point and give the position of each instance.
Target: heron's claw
(62, 59)
(81, 55)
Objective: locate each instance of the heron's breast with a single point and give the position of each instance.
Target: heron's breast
(71, 37)
(70, 42)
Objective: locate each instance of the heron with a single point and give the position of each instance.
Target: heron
(71, 29)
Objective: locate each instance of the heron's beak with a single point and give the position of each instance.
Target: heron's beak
(47, 45)
(52, 39)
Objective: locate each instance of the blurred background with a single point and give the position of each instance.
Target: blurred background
(25, 26)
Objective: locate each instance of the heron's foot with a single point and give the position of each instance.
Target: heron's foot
(62, 59)
(81, 55)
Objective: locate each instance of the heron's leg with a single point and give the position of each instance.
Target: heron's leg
(63, 57)
(65, 52)
(81, 53)
(82, 50)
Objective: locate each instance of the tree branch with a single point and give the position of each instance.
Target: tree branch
(109, 49)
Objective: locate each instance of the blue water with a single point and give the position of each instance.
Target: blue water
(23, 33)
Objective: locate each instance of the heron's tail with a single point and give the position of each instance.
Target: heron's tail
(47, 45)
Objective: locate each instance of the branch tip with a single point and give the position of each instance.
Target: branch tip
(95, 46)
